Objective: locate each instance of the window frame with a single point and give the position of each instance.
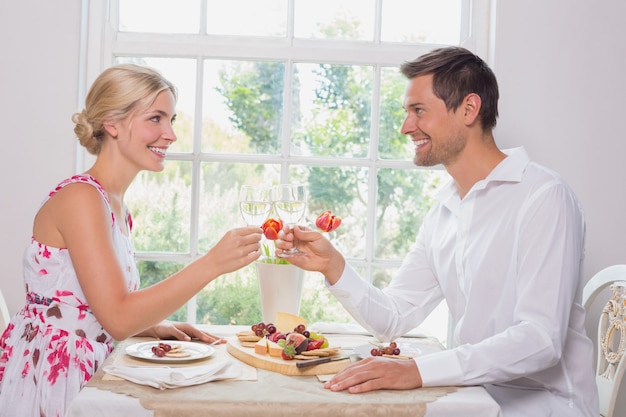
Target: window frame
(101, 43)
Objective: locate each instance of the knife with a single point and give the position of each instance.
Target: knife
(319, 361)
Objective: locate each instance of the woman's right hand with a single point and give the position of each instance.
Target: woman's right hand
(236, 249)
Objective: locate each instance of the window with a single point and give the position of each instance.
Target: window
(281, 91)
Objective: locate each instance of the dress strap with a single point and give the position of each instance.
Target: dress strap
(84, 179)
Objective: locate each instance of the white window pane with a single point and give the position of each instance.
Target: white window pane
(159, 16)
(333, 110)
(160, 203)
(219, 196)
(333, 19)
(242, 106)
(392, 144)
(152, 272)
(247, 17)
(425, 21)
(403, 199)
(344, 191)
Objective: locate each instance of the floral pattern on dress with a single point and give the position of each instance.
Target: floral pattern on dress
(54, 345)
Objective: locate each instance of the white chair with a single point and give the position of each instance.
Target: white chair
(595, 295)
(602, 280)
(4, 313)
(611, 336)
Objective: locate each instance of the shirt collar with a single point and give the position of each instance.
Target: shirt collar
(510, 169)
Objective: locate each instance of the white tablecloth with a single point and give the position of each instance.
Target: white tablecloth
(94, 402)
(466, 402)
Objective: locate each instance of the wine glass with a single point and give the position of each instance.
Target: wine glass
(290, 204)
(255, 203)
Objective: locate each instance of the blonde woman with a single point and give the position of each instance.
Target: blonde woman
(80, 274)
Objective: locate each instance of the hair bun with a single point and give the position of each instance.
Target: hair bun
(85, 133)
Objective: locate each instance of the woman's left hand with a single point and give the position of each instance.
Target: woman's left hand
(181, 331)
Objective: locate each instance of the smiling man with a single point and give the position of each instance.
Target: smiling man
(503, 246)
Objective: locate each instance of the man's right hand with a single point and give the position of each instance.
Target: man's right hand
(321, 255)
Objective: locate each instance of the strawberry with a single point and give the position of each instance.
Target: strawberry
(315, 343)
(327, 221)
(289, 351)
(271, 227)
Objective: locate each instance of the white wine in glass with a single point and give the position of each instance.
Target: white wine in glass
(255, 203)
(290, 204)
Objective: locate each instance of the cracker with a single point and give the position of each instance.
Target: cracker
(315, 352)
(178, 354)
(306, 357)
(323, 352)
(248, 336)
(249, 339)
(177, 351)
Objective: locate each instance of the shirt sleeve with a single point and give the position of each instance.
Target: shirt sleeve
(391, 312)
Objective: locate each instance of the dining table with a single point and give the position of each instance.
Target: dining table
(260, 390)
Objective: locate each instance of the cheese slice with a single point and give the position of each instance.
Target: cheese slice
(285, 322)
(260, 347)
(274, 349)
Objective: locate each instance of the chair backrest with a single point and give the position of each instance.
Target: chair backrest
(600, 281)
(611, 337)
(595, 295)
(4, 313)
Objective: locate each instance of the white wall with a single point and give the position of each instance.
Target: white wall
(38, 94)
(561, 70)
(559, 64)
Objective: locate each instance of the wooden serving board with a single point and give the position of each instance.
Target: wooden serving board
(269, 363)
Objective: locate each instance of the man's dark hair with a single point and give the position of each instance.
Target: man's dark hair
(456, 73)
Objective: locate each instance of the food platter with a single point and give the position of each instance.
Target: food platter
(196, 351)
(285, 367)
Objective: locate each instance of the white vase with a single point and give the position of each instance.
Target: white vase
(280, 287)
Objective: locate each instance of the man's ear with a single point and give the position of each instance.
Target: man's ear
(471, 108)
(110, 128)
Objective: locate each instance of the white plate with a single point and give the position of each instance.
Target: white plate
(407, 349)
(144, 351)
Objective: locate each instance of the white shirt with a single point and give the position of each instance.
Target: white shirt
(507, 260)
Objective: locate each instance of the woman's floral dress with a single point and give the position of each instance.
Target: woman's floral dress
(54, 345)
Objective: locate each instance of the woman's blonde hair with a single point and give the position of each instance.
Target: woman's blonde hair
(117, 92)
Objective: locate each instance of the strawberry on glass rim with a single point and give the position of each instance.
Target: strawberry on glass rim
(327, 221)
(271, 227)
